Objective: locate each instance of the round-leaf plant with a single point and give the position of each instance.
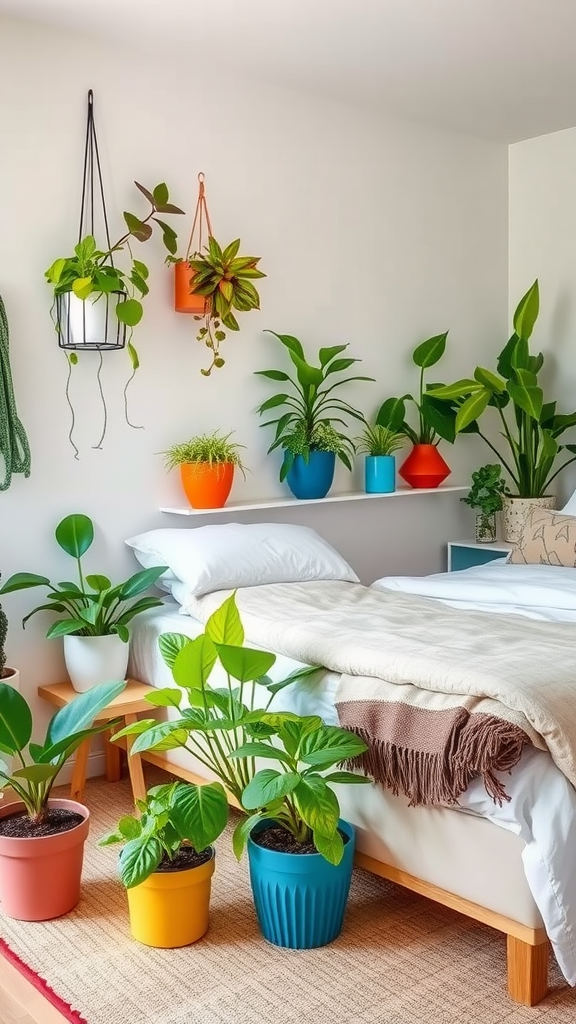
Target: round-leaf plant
(93, 606)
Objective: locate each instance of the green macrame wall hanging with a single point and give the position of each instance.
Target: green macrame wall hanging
(14, 447)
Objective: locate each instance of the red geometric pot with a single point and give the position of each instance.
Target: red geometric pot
(40, 878)
(424, 467)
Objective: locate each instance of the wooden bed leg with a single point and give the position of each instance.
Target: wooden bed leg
(527, 971)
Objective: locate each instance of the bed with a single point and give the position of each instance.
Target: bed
(513, 866)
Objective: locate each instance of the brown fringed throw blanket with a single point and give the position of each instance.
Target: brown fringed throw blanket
(442, 696)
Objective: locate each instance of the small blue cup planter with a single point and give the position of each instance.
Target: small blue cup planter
(380, 474)
(300, 898)
(312, 479)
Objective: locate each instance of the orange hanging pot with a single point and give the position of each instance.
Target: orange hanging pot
(424, 467)
(185, 298)
(207, 484)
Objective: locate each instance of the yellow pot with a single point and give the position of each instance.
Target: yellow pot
(171, 908)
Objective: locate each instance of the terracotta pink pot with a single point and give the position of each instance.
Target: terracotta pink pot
(40, 878)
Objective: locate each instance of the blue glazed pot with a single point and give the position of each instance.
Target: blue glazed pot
(312, 479)
(300, 898)
(380, 474)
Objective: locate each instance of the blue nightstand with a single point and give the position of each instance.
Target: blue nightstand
(463, 554)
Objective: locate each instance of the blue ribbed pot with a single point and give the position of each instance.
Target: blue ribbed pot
(380, 474)
(312, 479)
(300, 898)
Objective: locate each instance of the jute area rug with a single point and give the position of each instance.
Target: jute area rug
(400, 959)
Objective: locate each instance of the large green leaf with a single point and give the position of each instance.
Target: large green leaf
(289, 342)
(15, 719)
(331, 847)
(24, 580)
(243, 663)
(167, 697)
(472, 408)
(170, 645)
(317, 805)
(529, 399)
(98, 583)
(163, 736)
(139, 859)
(329, 745)
(259, 750)
(65, 627)
(327, 354)
(80, 713)
(267, 786)
(140, 581)
(392, 412)
(307, 375)
(430, 351)
(348, 778)
(37, 773)
(459, 389)
(489, 380)
(130, 312)
(440, 416)
(194, 663)
(224, 625)
(200, 813)
(68, 744)
(527, 312)
(272, 374)
(75, 534)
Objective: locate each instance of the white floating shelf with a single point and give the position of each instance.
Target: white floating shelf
(249, 506)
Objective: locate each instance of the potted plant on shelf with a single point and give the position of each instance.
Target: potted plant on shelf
(96, 612)
(486, 495)
(424, 466)
(306, 429)
(42, 839)
(530, 427)
(94, 299)
(167, 861)
(207, 464)
(222, 280)
(224, 732)
(378, 444)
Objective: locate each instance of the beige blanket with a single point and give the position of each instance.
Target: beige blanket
(477, 685)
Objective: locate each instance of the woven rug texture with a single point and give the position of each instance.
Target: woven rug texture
(401, 959)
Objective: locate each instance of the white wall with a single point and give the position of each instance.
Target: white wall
(543, 245)
(372, 231)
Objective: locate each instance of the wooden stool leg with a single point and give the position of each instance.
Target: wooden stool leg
(79, 771)
(112, 754)
(527, 971)
(135, 764)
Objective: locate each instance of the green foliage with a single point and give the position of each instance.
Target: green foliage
(93, 606)
(431, 413)
(309, 404)
(225, 279)
(487, 490)
(172, 816)
(379, 440)
(90, 273)
(40, 764)
(529, 426)
(3, 635)
(211, 448)
(220, 726)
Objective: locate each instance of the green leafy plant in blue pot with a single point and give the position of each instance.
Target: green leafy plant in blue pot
(308, 430)
(296, 839)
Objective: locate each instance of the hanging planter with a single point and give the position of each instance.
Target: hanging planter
(97, 304)
(213, 283)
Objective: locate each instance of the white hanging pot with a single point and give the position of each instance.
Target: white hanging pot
(95, 659)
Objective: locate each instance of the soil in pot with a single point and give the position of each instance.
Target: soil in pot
(57, 820)
(277, 838)
(185, 858)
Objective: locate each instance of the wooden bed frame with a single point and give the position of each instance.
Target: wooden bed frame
(527, 948)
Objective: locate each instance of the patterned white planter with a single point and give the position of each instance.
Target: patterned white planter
(514, 512)
(95, 659)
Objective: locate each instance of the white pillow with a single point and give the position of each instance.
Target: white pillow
(232, 555)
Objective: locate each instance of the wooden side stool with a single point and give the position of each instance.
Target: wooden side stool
(127, 706)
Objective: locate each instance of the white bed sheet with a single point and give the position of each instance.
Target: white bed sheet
(542, 807)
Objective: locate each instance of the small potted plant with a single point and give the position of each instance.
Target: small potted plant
(96, 613)
(378, 444)
(42, 839)
(424, 466)
(486, 494)
(207, 464)
(222, 281)
(167, 861)
(305, 428)
(222, 728)
(300, 851)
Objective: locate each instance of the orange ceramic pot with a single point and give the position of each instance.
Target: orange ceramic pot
(40, 878)
(207, 485)
(424, 467)
(185, 301)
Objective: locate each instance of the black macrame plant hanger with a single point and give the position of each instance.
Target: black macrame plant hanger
(75, 332)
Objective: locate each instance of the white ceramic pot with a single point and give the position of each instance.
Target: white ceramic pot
(95, 659)
(514, 512)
